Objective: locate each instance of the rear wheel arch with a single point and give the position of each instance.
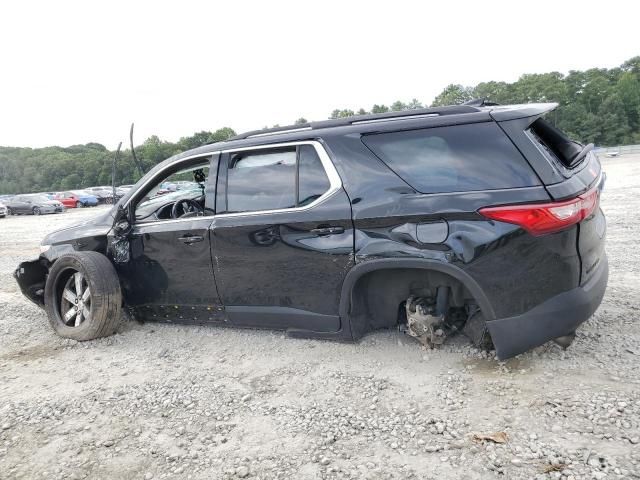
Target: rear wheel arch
(373, 290)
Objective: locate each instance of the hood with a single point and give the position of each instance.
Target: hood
(96, 226)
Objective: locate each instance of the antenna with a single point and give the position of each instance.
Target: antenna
(133, 153)
(113, 171)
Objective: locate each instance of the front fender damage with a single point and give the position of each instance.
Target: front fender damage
(31, 277)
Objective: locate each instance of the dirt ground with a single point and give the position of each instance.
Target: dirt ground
(167, 401)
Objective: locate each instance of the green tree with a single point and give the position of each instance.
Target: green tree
(398, 106)
(453, 95)
(414, 104)
(379, 109)
(337, 113)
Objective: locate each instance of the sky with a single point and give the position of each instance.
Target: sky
(78, 72)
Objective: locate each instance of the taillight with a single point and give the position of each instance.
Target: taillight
(542, 218)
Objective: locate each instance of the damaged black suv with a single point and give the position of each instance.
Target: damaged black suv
(474, 218)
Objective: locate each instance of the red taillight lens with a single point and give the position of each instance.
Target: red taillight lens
(542, 218)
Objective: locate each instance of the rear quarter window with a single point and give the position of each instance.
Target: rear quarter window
(453, 159)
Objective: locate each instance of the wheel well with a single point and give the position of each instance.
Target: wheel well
(375, 297)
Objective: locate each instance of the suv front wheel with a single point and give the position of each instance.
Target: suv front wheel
(82, 296)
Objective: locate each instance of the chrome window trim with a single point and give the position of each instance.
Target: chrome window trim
(173, 220)
(395, 119)
(335, 182)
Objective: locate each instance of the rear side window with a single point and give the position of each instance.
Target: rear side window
(275, 179)
(453, 159)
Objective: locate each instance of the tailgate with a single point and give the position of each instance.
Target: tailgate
(592, 231)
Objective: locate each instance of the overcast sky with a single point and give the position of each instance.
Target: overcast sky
(76, 72)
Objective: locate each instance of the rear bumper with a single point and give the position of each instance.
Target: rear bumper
(558, 316)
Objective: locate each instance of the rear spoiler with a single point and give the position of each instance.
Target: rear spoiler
(512, 112)
(581, 154)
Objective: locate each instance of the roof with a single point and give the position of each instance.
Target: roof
(498, 112)
(410, 119)
(360, 119)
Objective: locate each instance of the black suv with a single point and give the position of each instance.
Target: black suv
(473, 218)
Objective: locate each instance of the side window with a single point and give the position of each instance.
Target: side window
(261, 180)
(275, 179)
(312, 179)
(181, 194)
(453, 159)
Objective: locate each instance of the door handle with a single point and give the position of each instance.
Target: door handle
(189, 239)
(328, 230)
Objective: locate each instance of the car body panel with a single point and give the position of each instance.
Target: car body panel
(263, 259)
(164, 271)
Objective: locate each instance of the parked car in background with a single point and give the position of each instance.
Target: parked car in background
(104, 194)
(74, 200)
(184, 185)
(35, 204)
(125, 188)
(3, 211)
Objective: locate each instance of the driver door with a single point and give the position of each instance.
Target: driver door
(169, 275)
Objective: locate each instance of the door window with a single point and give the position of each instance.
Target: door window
(275, 179)
(312, 179)
(182, 194)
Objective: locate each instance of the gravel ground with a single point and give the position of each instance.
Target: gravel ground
(166, 401)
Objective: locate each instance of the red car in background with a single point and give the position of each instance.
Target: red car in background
(72, 200)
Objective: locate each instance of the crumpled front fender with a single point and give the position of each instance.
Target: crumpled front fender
(31, 277)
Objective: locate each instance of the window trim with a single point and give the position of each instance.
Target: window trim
(335, 183)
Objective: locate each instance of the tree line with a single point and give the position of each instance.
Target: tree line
(599, 105)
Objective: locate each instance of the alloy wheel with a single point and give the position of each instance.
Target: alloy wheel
(75, 302)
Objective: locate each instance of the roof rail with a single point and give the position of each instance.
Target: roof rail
(480, 102)
(361, 119)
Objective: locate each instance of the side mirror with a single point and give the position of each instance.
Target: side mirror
(121, 223)
(121, 228)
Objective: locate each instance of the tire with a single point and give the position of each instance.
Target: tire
(99, 277)
(79, 205)
(9, 212)
(36, 211)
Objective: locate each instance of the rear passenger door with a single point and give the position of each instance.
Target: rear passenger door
(282, 237)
